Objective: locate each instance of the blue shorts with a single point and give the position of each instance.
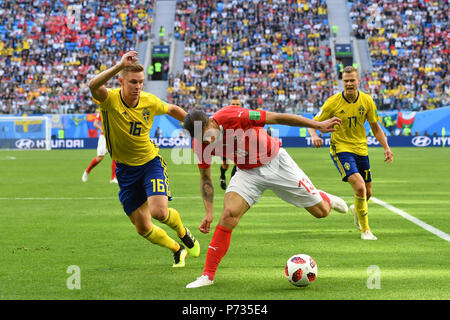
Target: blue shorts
(137, 183)
(349, 163)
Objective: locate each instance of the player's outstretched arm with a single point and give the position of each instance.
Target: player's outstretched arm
(299, 121)
(207, 191)
(176, 112)
(97, 84)
(379, 134)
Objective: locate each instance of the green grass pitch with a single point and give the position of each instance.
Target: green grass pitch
(50, 220)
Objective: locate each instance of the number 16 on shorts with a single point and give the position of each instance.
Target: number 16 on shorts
(158, 185)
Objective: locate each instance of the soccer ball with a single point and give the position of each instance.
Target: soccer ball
(301, 270)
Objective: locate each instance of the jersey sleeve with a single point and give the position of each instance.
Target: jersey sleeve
(372, 113)
(107, 102)
(324, 112)
(253, 118)
(161, 107)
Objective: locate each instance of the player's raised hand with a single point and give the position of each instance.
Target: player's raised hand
(128, 59)
(329, 125)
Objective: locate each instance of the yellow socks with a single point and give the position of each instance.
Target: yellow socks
(158, 236)
(361, 209)
(173, 220)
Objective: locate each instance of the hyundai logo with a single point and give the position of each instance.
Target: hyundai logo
(24, 144)
(421, 141)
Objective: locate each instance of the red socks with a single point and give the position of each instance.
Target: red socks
(217, 249)
(325, 197)
(93, 163)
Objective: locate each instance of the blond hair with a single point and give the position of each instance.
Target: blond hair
(135, 67)
(350, 69)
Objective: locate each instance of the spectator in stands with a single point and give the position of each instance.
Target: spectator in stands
(158, 133)
(389, 124)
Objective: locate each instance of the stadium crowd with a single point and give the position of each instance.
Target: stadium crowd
(49, 50)
(271, 54)
(409, 47)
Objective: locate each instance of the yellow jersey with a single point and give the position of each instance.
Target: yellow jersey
(127, 128)
(351, 134)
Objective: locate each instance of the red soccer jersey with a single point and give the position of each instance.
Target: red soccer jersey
(242, 139)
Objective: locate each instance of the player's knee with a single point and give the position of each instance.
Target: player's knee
(360, 190)
(229, 219)
(142, 229)
(159, 213)
(320, 210)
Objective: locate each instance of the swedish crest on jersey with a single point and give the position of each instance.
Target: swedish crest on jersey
(361, 110)
(146, 114)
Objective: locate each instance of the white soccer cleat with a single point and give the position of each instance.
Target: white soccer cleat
(202, 281)
(84, 178)
(355, 217)
(113, 180)
(368, 235)
(337, 203)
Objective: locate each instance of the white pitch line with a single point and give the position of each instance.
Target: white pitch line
(408, 217)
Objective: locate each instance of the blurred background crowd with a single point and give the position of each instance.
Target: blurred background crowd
(271, 54)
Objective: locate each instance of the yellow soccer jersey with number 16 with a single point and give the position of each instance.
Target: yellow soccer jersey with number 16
(127, 128)
(351, 134)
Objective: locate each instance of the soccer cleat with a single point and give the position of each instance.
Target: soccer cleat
(202, 281)
(84, 178)
(368, 235)
(192, 244)
(113, 180)
(179, 257)
(223, 183)
(337, 203)
(355, 217)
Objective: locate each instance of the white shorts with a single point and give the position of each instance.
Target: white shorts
(281, 175)
(101, 146)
